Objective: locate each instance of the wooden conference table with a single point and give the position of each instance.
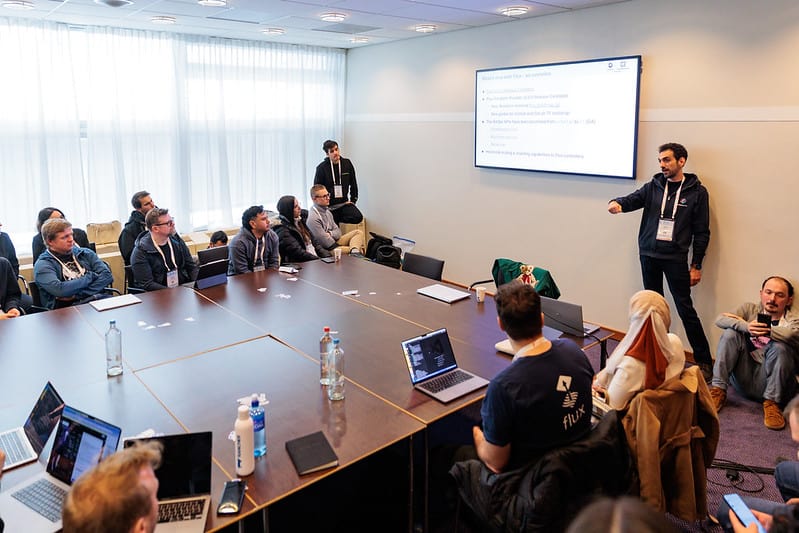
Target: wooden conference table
(189, 354)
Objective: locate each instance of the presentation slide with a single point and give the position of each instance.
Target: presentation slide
(575, 118)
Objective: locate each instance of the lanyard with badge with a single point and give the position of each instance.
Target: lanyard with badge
(258, 258)
(338, 191)
(71, 273)
(171, 275)
(666, 225)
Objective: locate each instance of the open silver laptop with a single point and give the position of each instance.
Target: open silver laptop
(443, 293)
(81, 442)
(433, 369)
(184, 481)
(24, 444)
(566, 317)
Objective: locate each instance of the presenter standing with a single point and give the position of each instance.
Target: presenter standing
(676, 216)
(337, 174)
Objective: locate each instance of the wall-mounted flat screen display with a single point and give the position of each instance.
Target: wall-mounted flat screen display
(579, 117)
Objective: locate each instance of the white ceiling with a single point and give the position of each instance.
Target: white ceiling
(378, 20)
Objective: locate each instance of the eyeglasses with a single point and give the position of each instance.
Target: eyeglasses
(322, 196)
(171, 222)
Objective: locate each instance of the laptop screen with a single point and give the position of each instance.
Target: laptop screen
(428, 355)
(185, 464)
(81, 442)
(44, 417)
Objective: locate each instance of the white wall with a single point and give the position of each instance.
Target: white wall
(718, 76)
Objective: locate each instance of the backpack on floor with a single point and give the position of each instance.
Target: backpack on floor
(374, 243)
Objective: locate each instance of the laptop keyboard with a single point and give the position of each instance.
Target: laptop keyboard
(44, 497)
(179, 511)
(13, 446)
(446, 381)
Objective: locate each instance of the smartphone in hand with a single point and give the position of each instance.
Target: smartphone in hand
(743, 512)
(232, 497)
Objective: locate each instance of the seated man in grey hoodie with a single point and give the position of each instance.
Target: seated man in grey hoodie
(255, 246)
(324, 229)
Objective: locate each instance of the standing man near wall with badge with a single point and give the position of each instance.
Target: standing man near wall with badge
(337, 174)
(676, 216)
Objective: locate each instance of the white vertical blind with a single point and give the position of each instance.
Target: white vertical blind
(209, 126)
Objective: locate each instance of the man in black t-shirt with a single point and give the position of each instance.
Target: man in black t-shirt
(543, 399)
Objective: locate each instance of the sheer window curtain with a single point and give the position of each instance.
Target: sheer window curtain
(208, 126)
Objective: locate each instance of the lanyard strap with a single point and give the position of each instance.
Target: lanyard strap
(259, 243)
(171, 252)
(676, 199)
(67, 272)
(332, 171)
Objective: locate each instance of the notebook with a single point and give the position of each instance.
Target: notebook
(433, 369)
(81, 441)
(443, 293)
(114, 302)
(24, 444)
(184, 481)
(566, 317)
(311, 453)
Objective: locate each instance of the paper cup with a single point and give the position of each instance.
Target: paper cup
(337, 254)
(480, 293)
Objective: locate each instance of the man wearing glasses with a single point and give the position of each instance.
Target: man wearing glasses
(323, 227)
(161, 259)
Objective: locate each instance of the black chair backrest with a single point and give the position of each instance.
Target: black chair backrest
(423, 265)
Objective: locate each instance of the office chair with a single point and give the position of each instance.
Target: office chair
(130, 283)
(423, 265)
(37, 298)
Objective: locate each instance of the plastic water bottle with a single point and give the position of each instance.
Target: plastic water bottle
(113, 350)
(243, 430)
(325, 345)
(335, 390)
(258, 427)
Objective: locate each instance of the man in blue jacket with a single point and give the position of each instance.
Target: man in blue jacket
(676, 216)
(67, 274)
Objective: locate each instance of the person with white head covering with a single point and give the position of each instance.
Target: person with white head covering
(648, 354)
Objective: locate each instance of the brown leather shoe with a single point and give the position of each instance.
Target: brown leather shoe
(772, 416)
(719, 397)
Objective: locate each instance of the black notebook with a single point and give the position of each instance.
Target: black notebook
(311, 453)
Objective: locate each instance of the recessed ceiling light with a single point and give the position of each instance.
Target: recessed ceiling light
(273, 31)
(162, 19)
(114, 3)
(514, 11)
(426, 28)
(333, 17)
(359, 40)
(17, 4)
(212, 3)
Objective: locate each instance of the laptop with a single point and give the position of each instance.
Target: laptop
(184, 481)
(443, 293)
(211, 274)
(24, 444)
(209, 255)
(566, 317)
(433, 369)
(115, 302)
(81, 442)
(549, 333)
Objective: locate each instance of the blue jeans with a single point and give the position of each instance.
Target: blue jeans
(786, 475)
(679, 280)
(773, 380)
